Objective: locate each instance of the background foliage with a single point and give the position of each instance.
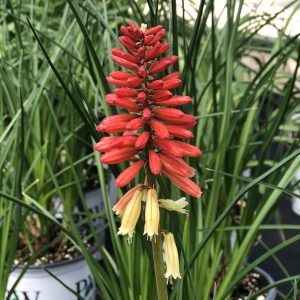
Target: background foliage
(54, 60)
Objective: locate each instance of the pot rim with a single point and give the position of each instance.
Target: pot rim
(56, 264)
(271, 292)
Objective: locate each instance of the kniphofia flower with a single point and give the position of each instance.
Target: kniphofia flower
(148, 131)
(172, 259)
(151, 120)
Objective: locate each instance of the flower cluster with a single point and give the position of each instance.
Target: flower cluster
(150, 126)
(151, 129)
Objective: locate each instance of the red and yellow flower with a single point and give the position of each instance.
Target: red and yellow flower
(150, 126)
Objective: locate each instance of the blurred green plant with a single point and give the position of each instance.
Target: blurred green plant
(245, 116)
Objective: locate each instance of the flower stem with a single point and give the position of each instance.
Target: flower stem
(161, 284)
(157, 250)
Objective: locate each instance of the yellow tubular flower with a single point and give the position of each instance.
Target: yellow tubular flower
(178, 205)
(131, 215)
(172, 259)
(151, 214)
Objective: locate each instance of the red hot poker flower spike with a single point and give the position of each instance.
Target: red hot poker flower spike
(151, 122)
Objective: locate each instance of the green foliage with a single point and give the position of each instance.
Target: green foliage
(52, 70)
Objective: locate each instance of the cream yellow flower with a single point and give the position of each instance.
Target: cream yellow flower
(172, 259)
(151, 214)
(178, 205)
(131, 215)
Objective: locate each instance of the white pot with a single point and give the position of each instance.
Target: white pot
(37, 284)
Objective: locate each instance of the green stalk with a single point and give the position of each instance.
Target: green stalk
(157, 251)
(161, 286)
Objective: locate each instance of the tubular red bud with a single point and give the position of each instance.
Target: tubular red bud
(184, 183)
(129, 33)
(146, 113)
(161, 95)
(153, 52)
(124, 92)
(160, 130)
(141, 96)
(176, 165)
(179, 132)
(156, 84)
(148, 40)
(153, 30)
(127, 42)
(118, 118)
(175, 100)
(187, 149)
(163, 64)
(168, 113)
(173, 75)
(169, 147)
(159, 36)
(112, 142)
(125, 63)
(142, 140)
(123, 103)
(131, 82)
(171, 84)
(122, 54)
(135, 124)
(121, 75)
(154, 162)
(186, 121)
(112, 127)
(128, 174)
(118, 156)
(142, 71)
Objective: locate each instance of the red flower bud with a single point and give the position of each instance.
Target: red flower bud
(146, 113)
(129, 33)
(131, 82)
(125, 63)
(127, 42)
(175, 100)
(161, 95)
(123, 103)
(135, 124)
(154, 162)
(176, 165)
(122, 54)
(153, 30)
(112, 127)
(142, 140)
(118, 156)
(187, 149)
(179, 132)
(184, 184)
(121, 75)
(169, 147)
(112, 142)
(163, 64)
(141, 96)
(124, 92)
(186, 121)
(118, 118)
(128, 174)
(156, 84)
(159, 36)
(142, 71)
(160, 130)
(168, 113)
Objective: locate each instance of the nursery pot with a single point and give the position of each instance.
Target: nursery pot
(272, 292)
(38, 284)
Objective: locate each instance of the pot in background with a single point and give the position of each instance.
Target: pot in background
(273, 291)
(38, 284)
